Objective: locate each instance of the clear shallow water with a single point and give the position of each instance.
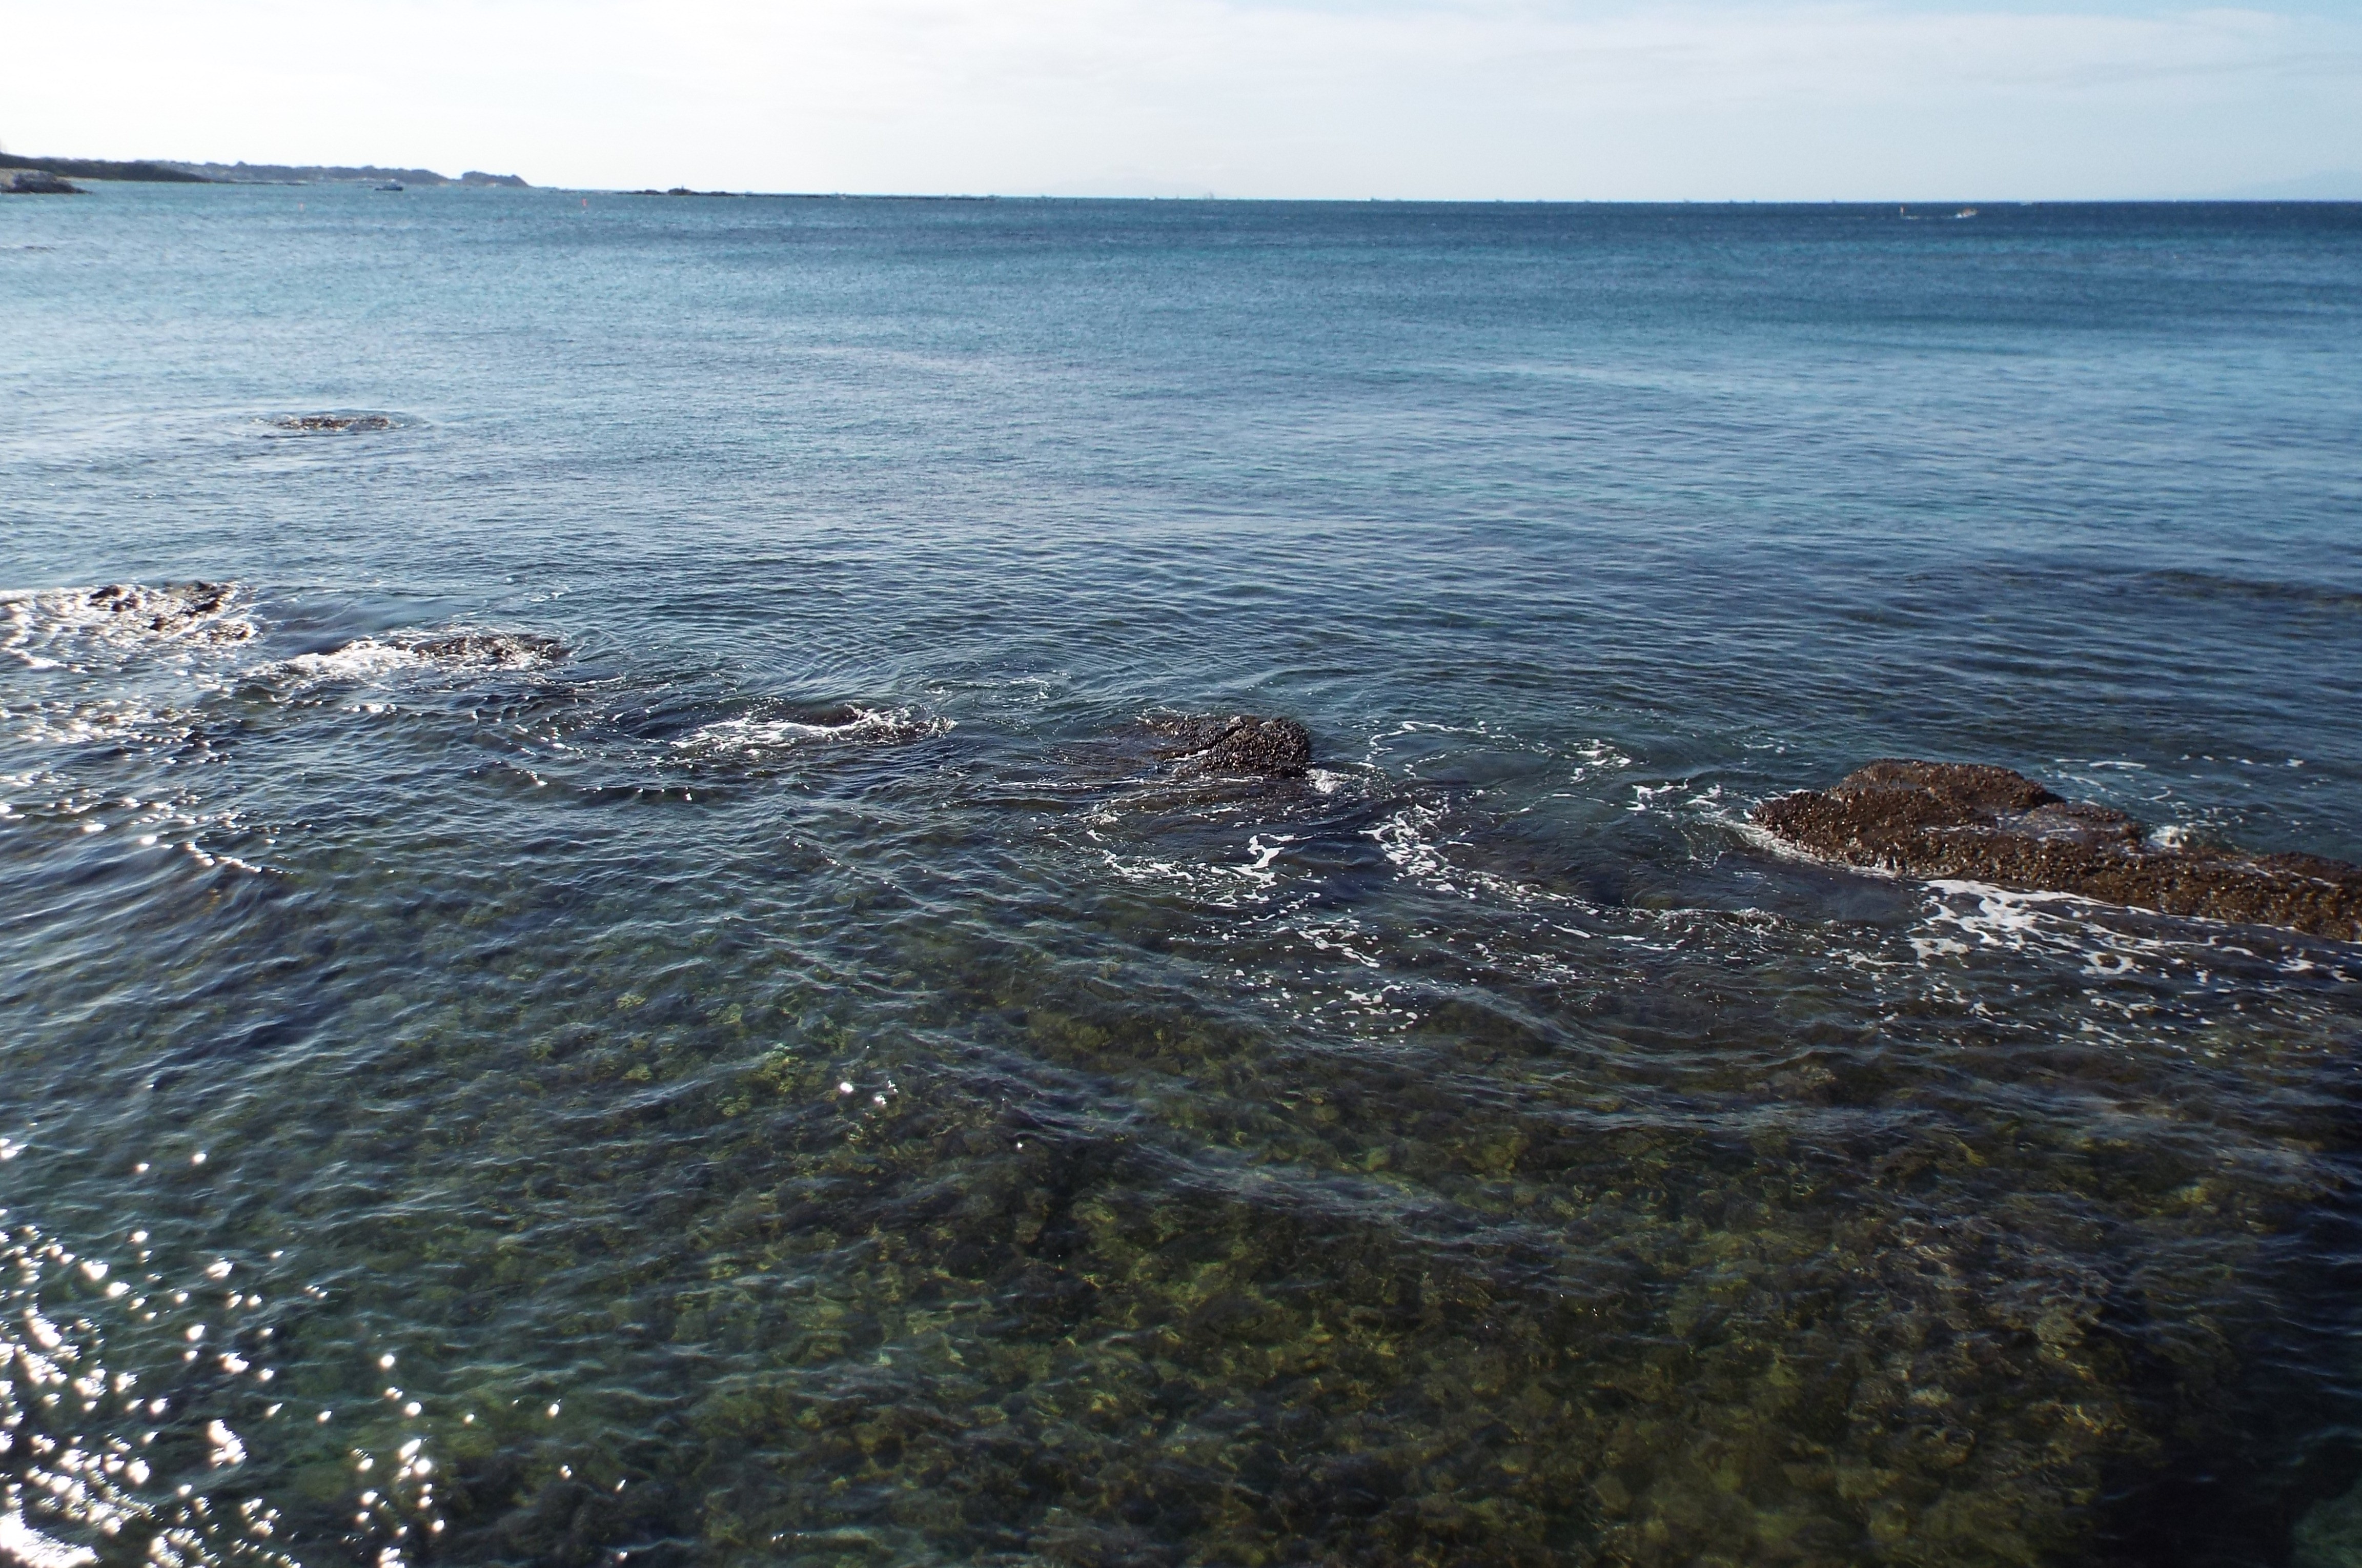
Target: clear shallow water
(782, 1082)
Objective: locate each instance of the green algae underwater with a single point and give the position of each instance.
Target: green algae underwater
(1107, 1223)
(598, 967)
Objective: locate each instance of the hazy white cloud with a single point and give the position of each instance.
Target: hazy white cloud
(1479, 98)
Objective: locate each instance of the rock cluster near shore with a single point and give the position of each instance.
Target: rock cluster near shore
(1988, 824)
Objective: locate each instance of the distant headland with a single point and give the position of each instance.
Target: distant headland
(166, 171)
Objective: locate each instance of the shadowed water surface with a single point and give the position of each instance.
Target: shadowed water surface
(597, 969)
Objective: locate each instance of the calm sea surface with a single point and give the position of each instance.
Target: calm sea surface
(745, 1060)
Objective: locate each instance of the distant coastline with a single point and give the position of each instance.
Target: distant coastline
(23, 172)
(167, 171)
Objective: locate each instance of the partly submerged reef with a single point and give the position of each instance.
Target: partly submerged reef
(121, 612)
(1988, 824)
(504, 650)
(1233, 744)
(334, 423)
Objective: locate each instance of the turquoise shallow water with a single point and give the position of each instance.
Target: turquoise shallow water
(747, 1060)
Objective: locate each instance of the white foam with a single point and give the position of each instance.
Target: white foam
(1997, 918)
(1645, 796)
(749, 736)
(1408, 839)
(359, 660)
(1415, 840)
(1966, 916)
(367, 659)
(1258, 870)
(55, 628)
(1341, 936)
(1598, 756)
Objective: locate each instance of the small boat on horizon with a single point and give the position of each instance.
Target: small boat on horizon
(390, 185)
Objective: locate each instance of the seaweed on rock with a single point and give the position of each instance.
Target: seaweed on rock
(1236, 743)
(1941, 819)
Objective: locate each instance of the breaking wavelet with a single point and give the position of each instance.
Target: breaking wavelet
(49, 627)
(771, 733)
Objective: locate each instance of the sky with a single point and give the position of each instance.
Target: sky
(1466, 99)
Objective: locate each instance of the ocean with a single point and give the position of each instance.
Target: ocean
(598, 965)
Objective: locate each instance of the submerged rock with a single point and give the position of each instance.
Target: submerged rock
(1988, 824)
(772, 733)
(332, 423)
(170, 610)
(501, 650)
(1235, 744)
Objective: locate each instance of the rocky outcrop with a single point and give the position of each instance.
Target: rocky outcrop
(39, 183)
(1236, 743)
(1988, 824)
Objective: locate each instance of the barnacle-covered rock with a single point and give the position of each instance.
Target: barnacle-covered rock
(1235, 743)
(1968, 820)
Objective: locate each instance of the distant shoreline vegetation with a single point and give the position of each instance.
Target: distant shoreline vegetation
(163, 172)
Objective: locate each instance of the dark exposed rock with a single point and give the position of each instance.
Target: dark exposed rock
(1988, 824)
(318, 423)
(1235, 743)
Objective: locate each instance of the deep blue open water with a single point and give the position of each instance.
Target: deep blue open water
(747, 1060)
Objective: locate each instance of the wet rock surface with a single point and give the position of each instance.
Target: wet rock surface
(501, 650)
(1986, 823)
(331, 424)
(1233, 744)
